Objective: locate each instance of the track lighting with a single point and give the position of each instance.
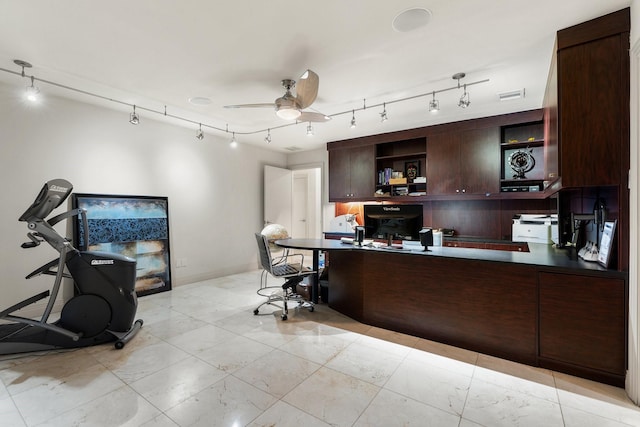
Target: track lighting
(233, 143)
(383, 115)
(133, 117)
(434, 104)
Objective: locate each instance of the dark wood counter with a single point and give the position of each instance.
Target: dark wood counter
(542, 307)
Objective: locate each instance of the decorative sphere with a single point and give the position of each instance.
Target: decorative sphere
(274, 232)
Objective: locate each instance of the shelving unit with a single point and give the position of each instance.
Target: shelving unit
(526, 141)
(408, 158)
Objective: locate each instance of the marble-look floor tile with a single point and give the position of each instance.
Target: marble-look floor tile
(318, 349)
(178, 382)
(9, 414)
(356, 360)
(495, 406)
(174, 326)
(229, 402)
(533, 381)
(234, 353)
(48, 400)
(122, 407)
(282, 414)
(143, 361)
(333, 397)
(453, 365)
(438, 387)
(277, 372)
(577, 418)
(391, 409)
(160, 421)
(387, 347)
(449, 351)
(202, 338)
(45, 369)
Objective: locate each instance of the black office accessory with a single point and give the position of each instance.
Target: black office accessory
(426, 238)
(104, 305)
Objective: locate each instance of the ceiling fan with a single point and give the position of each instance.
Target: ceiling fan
(290, 107)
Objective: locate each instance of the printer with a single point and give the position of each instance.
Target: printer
(535, 228)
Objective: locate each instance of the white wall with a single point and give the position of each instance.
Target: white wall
(214, 191)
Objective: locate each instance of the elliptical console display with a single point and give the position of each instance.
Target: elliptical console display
(104, 304)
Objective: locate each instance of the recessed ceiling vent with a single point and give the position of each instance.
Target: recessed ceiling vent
(293, 148)
(514, 94)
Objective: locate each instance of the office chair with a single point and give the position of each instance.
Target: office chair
(284, 267)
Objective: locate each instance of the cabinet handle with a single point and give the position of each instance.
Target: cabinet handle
(464, 190)
(457, 190)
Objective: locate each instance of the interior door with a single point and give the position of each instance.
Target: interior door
(300, 210)
(278, 196)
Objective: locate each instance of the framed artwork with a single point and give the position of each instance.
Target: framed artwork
(412, 170)
(134, 226)
(606, 242)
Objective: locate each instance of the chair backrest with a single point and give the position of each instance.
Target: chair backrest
(263, 250)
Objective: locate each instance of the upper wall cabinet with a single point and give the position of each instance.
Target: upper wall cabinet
(464, 163)
(352, 174)
(587, 104)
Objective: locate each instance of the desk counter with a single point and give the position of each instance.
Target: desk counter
(543, 307)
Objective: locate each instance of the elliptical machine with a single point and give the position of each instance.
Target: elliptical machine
(104, 304)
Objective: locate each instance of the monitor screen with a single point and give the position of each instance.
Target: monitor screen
(401, 222)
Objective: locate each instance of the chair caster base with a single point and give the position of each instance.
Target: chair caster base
(255, 311)
(284, 317)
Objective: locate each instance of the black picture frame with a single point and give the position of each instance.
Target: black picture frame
(134, 226)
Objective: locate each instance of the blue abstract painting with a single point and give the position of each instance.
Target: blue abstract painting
(134, 226)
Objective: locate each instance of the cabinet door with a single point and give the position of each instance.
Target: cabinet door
(362, 172)
(443, 158)
(339, 174)
(480, 161)
(582, 321)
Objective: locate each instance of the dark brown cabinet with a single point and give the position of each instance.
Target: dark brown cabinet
(466, 162)
(590, 101)
(352, 173)
(582, 323)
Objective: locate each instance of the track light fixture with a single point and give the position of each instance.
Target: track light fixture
(383, 115)
(434, 104)
(32, 92)
(267, 138)
(465, 100)
(353, 119)
(233, 143)
(133, 117)
(200, 134)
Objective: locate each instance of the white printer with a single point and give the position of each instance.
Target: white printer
(535, 228)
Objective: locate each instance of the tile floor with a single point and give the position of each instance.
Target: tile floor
(203, 359)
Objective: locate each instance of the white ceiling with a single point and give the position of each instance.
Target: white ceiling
(154, 53)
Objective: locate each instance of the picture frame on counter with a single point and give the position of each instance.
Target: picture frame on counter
(606, 242)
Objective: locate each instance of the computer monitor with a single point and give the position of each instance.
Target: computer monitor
(401, 222)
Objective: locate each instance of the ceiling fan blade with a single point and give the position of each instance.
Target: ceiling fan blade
(307, 88)
(310, 116)
(264, 105)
